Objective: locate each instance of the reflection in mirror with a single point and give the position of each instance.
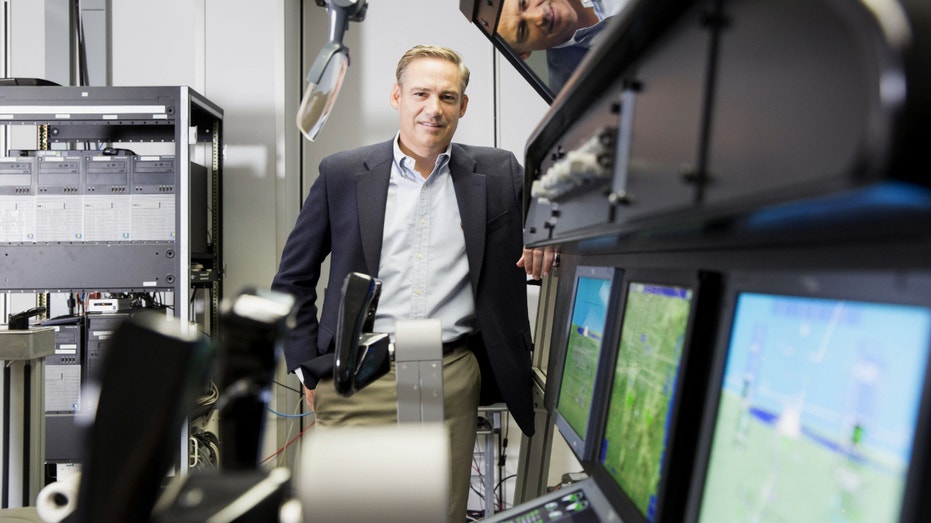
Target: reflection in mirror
(552, 36)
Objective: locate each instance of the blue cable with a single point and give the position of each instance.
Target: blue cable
(283, 415)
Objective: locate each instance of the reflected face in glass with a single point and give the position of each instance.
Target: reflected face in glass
(534, 25)
(430, 101)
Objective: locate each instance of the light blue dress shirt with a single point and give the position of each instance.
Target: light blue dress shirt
(423, 268)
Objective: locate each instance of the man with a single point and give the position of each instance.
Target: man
(440, 224)
(565, 29)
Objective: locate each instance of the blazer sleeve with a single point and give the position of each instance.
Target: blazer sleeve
(307, 247)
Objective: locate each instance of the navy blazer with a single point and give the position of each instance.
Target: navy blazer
(343, 218)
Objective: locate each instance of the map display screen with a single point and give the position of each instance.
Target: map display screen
(641, 402)
(817, 411)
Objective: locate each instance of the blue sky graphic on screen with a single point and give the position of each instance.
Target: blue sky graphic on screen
(817, 412)
(589, 314)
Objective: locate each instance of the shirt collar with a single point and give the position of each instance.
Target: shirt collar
(585, 36)
(405, 164)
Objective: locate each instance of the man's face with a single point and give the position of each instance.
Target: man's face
(430, 102)
(534, 25)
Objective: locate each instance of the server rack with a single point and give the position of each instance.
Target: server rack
(112, 190)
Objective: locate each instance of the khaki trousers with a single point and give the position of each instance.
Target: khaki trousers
(377, 405)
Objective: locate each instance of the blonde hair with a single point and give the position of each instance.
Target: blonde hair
(433, 51)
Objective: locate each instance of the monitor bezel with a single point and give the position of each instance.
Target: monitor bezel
(880, 286)
(685, 418)
(584, 447)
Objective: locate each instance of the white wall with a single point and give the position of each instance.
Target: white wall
(26, 41)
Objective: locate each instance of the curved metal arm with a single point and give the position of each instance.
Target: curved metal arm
(326, 74)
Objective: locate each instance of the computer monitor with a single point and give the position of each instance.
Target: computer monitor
(583, 372)
(819, 402)
(643, 435)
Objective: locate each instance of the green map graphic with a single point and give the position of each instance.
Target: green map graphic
(655, 319)
(575, 393)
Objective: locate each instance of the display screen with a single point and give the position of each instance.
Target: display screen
(641, 402)
(583, 351)
(817, 410)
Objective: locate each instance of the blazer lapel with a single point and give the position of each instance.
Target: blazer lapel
(372, 197)
(470, 194)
